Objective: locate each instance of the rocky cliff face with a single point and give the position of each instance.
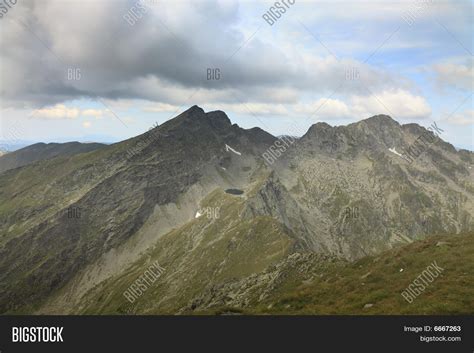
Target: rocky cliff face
(368, 194)
(73, 229)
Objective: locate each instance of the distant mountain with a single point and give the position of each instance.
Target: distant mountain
(10, 146)
(216, 205)
(42, 151)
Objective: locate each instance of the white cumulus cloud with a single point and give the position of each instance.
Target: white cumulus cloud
(58, 111)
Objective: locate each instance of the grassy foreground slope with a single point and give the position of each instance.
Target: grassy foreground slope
(379, 280)
(303, 283)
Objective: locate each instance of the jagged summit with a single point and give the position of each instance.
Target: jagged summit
(196, 108)
(196, 116)
(381, 119)
(318, 129)
(218, 118)
(376, 133)
(196, 112)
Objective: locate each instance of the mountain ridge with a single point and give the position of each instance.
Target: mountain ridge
(337, 192)
(41, 151)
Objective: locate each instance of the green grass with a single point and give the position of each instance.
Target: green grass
(330, 286)
(343, 289)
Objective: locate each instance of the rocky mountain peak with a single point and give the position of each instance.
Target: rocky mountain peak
(196, 118)
(318, 129)
(381, 120)
(377, 131)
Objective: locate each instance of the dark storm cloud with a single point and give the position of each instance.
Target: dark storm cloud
(163, 56)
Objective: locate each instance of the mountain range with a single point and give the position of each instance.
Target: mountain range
(237, 219)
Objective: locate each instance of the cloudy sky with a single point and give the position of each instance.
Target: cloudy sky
(104, 71)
